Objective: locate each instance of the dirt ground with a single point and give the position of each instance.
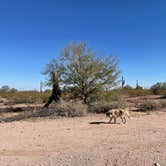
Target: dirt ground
(86, 141)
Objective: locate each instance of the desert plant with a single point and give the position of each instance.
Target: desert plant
(79, 67)
(149, 105)
(159, 88)
(25, 97)
(136, 92)
(5, 88)
(123, 82)
(70, 109)
(128, 87)
(163, 103)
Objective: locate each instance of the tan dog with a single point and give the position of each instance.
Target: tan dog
(119, 112)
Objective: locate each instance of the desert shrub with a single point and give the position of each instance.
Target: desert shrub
(159, 91)
(63, 109)
(163, 103)
(138, 87)
(107, 96)
(5, 88)
(70, 109)
(149, 105)
(136, 92)
(128, 87)
(159, 88)
(113, 95)
(163, 93)
(24, 97)
(118, 94)
(103, 106)
(4, 101)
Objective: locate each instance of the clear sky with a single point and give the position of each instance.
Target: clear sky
(32, 32)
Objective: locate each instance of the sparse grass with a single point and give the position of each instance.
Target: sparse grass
(25, 97)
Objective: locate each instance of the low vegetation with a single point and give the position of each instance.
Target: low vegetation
(71, 109)
(62, 109)
(159, 88)
(149, 105)
(25, 97)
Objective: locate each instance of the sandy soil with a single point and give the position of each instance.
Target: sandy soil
(87, 141)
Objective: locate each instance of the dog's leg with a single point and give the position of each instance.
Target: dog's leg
(114, 120)
(110, 119)
(123, 119)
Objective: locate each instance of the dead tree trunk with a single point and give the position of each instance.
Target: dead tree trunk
(56, 91)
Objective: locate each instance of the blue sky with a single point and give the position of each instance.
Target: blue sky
(32, 32)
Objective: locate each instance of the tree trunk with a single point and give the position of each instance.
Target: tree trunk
(55, 96)
(56, 91)
(85, 99)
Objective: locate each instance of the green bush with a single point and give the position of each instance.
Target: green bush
(159, 88)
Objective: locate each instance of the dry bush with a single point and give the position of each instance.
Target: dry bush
(103, 106)
(149, 105)
(63, 109)
(4, 101)
(71, 109)
(163, 103)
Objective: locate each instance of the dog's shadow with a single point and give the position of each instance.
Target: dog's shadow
(98, 123)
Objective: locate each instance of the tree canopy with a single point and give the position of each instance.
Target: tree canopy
(79, 67)
(159, 86)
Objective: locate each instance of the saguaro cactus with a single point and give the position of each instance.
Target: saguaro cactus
(41, 86)
(123, 82)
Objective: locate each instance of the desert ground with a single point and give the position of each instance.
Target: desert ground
(85, 141)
